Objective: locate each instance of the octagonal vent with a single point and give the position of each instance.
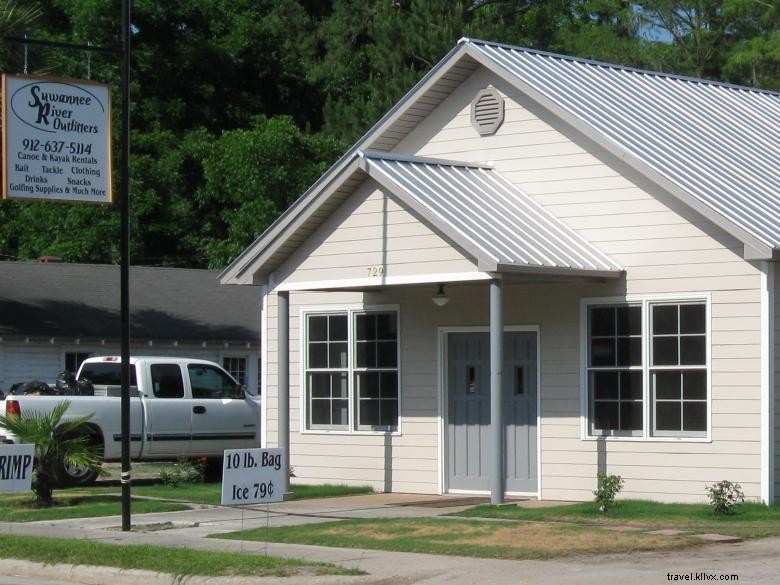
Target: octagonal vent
(487, 111)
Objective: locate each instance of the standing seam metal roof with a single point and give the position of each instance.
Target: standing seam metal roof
(719, 143)
(489, 213)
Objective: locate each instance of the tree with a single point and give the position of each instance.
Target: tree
(58, 442)
(250, 177)
(16, 18)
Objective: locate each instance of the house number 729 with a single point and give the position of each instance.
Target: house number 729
(376, 270)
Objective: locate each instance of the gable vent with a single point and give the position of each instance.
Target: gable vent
(487, 111)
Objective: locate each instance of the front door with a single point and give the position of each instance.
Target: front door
(468, 410)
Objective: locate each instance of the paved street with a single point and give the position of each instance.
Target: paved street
(754, 562)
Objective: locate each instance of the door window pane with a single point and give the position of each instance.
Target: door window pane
(167, 381)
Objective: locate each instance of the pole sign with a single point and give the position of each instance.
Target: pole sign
(252, 476)
(16, 467)
(56, 139)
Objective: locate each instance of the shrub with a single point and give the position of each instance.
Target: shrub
(607, 488)
(183, 471)
(724, 496)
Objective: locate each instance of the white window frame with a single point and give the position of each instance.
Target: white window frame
(351, 311)
(648, 424)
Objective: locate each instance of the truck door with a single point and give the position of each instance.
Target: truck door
(222, 418)
(169, 412)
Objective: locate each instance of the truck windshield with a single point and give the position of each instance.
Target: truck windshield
(108, 374)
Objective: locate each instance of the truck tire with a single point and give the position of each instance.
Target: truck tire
(73, 475)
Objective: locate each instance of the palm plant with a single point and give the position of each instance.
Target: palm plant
(16, 17)
(57, 442)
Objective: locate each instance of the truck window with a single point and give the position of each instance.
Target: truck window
(106, 374)
(166, 381)
(209, 382)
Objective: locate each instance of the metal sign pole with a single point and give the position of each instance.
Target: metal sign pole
(124, 196)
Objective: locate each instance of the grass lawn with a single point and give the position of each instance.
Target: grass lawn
(75, 503)
(503, 540)
(174, 561)
(533, 533)
(750, 520)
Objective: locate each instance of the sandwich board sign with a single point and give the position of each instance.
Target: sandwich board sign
(56, 139)
(16, 467)
(252, 476)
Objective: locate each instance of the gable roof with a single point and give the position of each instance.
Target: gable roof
(718, 144)
(82, 301)
(713, 145)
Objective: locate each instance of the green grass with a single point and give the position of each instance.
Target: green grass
(750, 520)
(75, 504)
(160, 559)
(505, 540)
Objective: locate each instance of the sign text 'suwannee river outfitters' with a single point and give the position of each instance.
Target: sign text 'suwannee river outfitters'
(56, 139)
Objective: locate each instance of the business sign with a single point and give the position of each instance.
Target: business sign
(252, 476)
(56, 139)
(16, 467)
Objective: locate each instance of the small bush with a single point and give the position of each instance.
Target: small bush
(183, 471)
(607, 488)
(724, 496)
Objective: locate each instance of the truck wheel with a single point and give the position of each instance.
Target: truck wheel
(75, 475)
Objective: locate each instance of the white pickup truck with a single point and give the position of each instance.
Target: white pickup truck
(178, 407)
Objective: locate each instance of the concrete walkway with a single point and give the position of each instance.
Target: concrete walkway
(754, 562)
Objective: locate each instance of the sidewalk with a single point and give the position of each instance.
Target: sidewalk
(755, 562)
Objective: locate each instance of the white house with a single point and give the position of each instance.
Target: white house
(53, 316)
(620, 227)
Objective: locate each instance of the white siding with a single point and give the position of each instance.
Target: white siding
(664, 247)
(368, 231)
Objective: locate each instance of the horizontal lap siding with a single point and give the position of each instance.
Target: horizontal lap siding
(665, 248)
(371, 230)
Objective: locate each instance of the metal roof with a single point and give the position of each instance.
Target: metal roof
(483, 212)
(82, 300)
(719, 143)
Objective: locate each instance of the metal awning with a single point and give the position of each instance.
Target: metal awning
(477, 208)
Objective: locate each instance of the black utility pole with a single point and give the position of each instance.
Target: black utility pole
(124, 196)
(124, 206)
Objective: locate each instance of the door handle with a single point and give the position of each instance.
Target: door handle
(199, 409)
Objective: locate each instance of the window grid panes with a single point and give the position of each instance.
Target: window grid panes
(327, 343)
(615, 376)
(236, 367)
(678, 368)
(376, 370)
(351, 371)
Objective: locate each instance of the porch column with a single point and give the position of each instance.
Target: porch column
(496, 415)
(283, 383)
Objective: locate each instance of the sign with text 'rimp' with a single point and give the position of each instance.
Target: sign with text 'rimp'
(16, 467)
(252, 476)
(56, 139)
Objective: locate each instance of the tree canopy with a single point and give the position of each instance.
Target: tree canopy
(239, 105)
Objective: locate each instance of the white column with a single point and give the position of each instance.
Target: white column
(283, 381)
(496, 414)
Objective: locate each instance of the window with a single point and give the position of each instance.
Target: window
(679, 368)
(166, 381)
(615, 370)
(236, 367)
(208, 382)
(106, 374)
(351, 371)
(646, 369)
(73, 360)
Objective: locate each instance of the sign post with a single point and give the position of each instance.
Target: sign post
(252, 476)
(16, 467)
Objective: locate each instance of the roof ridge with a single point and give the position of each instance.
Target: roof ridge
(598, 63)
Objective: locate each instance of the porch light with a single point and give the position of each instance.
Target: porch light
(440, 299)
